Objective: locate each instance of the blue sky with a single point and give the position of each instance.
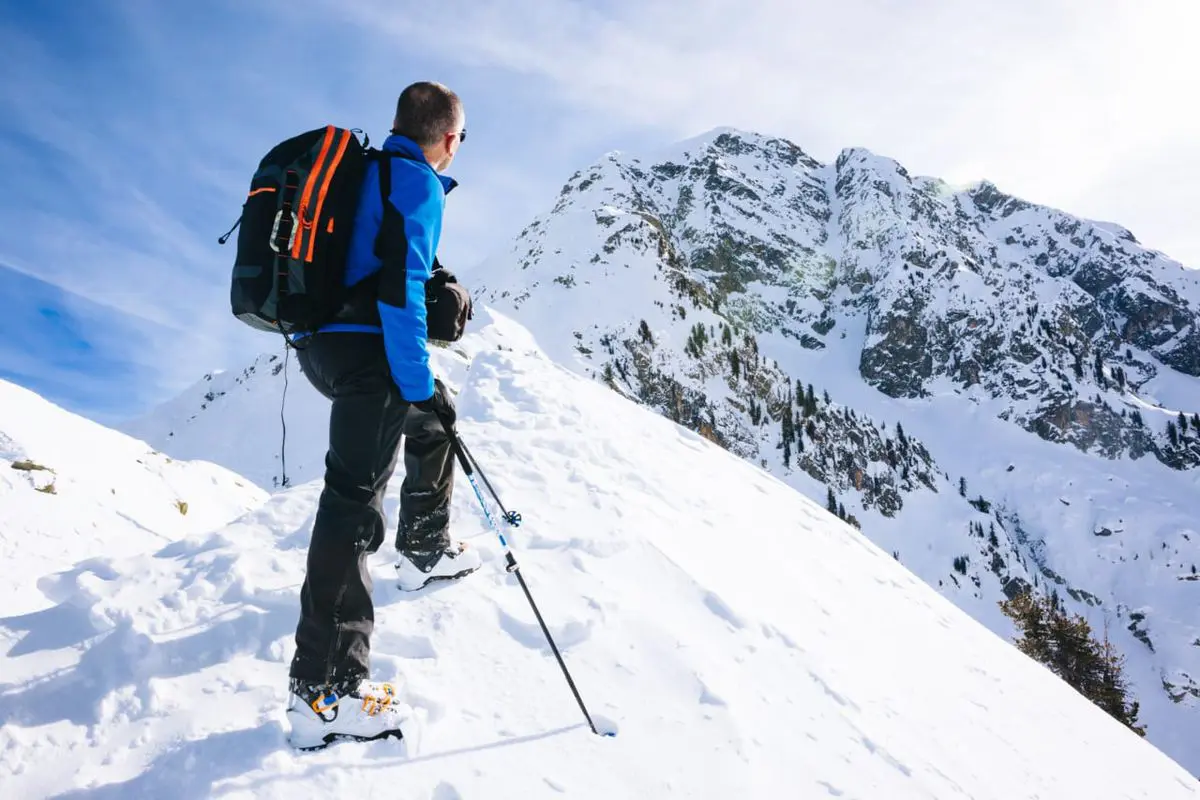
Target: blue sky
(129, 129)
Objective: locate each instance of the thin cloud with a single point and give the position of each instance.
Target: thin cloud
(128, 131)
(121, 177)
(1048, 102)
(77, 351)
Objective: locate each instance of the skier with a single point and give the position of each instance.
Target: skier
(372, 363)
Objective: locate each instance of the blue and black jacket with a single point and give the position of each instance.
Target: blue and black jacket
(392, 253)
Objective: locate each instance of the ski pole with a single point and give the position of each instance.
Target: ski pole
(510, 561)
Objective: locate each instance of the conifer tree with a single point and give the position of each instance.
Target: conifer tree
(1065, 645)
(788, 430)
(644, 332)
(831, 502)
(1112, 693)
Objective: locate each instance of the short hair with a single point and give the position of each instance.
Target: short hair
(425, 111)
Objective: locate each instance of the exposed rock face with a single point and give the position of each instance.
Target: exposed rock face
(975, 290)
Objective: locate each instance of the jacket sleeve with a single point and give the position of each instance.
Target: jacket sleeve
(411, 227)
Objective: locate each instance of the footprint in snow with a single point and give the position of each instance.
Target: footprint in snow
(771, 632)
(708, 697)
(407, 646)
(64, 586)
(445, 791)
(530, 633)
(834, 695)
(721, 609)
(887, 757)
(600, 548)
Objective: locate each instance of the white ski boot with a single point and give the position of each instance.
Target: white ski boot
(416, 571)
(320, 716)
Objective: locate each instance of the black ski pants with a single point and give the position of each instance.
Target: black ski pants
(367, 421)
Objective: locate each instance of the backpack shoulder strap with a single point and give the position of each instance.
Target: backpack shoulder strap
(385, 179)
(384, 157)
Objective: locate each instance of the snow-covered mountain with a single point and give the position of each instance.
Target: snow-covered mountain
(736, 246)
(265, 422)
(998, 393)
(742, 641)
(877, 342)
(262, 422)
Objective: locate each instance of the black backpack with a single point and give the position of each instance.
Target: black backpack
(296, 223)
(295, 231)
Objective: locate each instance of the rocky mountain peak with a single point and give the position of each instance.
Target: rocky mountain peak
(789, 309)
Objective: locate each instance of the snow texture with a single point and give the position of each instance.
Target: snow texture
(954, 313)
(742, 641)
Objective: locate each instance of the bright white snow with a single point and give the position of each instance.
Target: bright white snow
(80, 490)
(744, 642)
(593, 267)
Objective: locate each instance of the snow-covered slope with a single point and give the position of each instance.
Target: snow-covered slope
(71, 490)
(743, 642)
(974, 379)
(264, 422)
(941, 340)
(211, 418)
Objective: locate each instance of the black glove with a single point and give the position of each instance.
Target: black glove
(439, 405)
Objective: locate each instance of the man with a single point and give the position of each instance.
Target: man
(372, 362)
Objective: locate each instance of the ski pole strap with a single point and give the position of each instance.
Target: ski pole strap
(456, 443)
(471, 468)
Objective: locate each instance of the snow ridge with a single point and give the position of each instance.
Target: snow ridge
(717, 280)
(163, 672)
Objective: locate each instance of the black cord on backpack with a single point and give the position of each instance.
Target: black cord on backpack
(282, 418)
